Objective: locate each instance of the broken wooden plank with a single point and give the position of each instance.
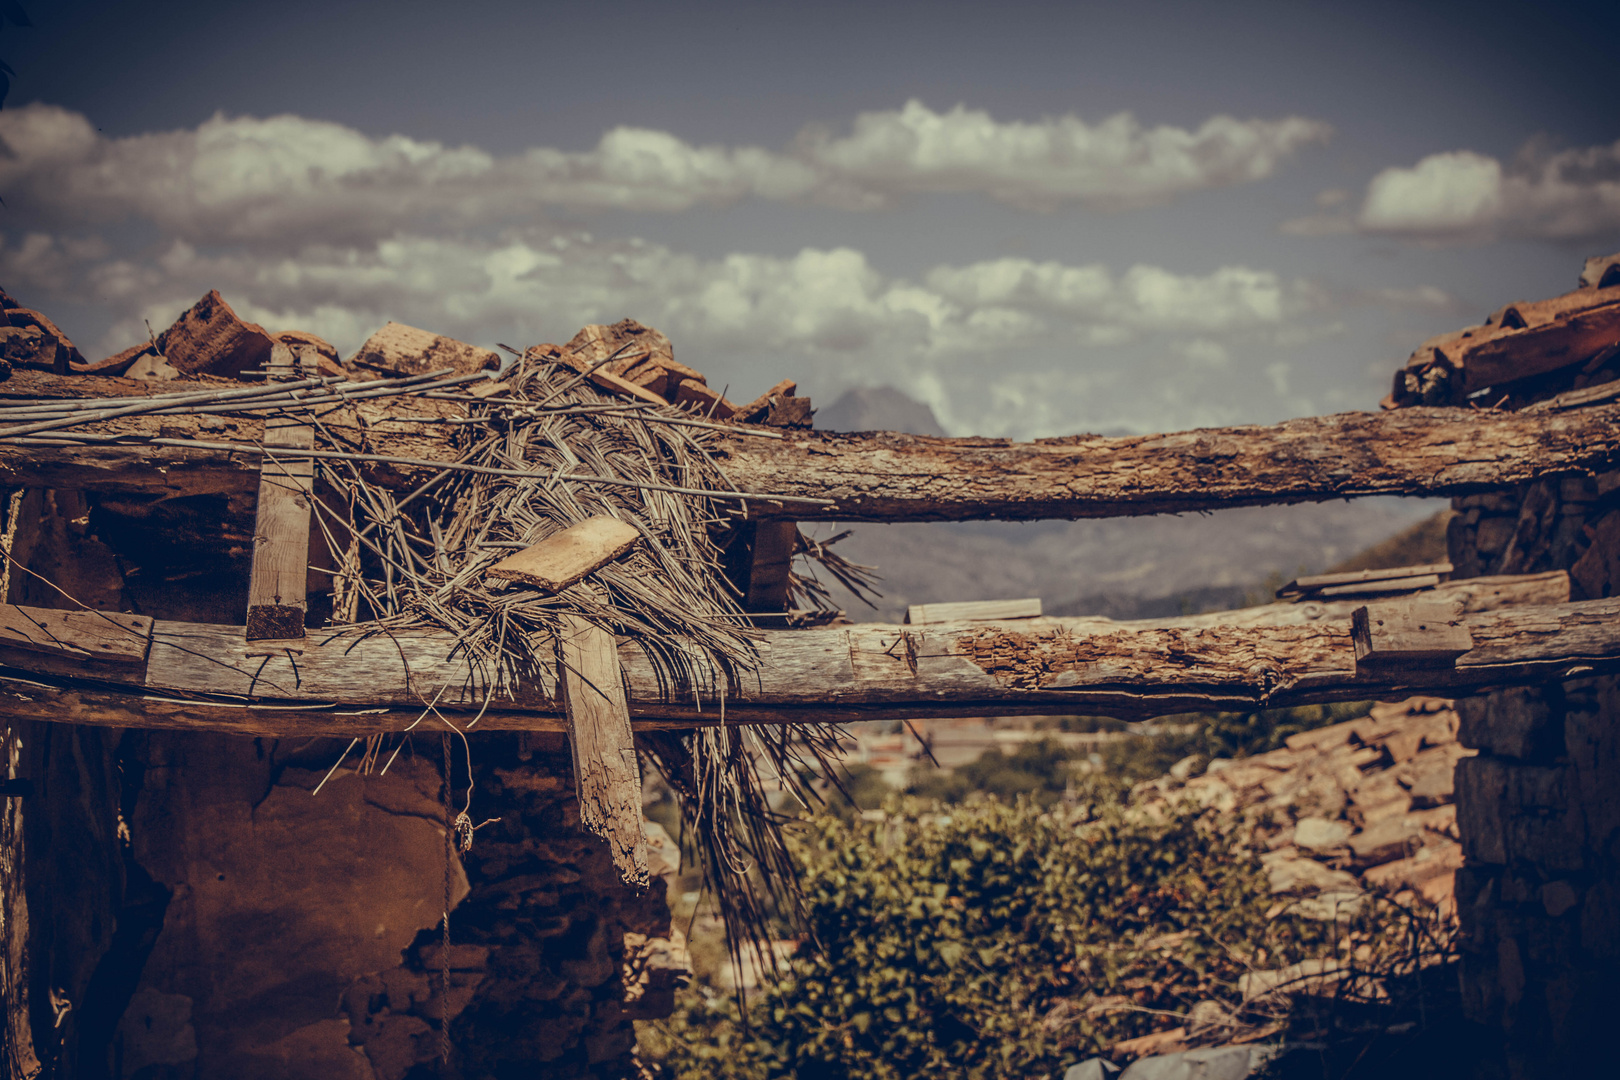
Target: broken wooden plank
(565, 557)
(770, 564)
(893, 477)
(973, 611)
(607, 775)
(72, 642)
(1354, 577)
(1408, 633)
(276, 588)
(1367, 588)
(871, 671)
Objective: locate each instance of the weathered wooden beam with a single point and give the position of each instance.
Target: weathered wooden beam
(770, 564)
(276, 599)
(210, 678)
(892, 477)
(607, 774)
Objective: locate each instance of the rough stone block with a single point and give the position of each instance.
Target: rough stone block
(1518, 723)
(210, 339)
(398, 350)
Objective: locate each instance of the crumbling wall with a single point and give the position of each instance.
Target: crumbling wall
(182, 906)
(1539, 807)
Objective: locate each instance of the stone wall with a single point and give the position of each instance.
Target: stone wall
(196, 910)
(1539, 807)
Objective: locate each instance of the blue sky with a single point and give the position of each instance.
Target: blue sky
(1040, 218)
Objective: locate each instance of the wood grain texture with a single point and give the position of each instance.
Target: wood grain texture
(893, 477)
(568, 555)
(872, 671)
(973, 611)
(607, 775)
(1408, 633)
(276, 598)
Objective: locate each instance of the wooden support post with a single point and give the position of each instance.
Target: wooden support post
(607, 776)
(769, 564)
(276, 592)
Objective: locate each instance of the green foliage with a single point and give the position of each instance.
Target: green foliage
(993, 941)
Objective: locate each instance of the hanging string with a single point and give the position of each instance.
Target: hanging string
(444, 944)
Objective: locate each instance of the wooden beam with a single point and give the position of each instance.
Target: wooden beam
(276, 600)
(770, 564)
(1409, 633)
(210, 678)
(893, 477)
(607, 775)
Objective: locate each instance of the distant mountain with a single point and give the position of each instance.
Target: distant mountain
(878, 408)
(1123, 568)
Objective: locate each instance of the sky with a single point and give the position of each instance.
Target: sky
(1039, 218)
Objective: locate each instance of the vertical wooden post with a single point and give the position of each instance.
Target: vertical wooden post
(607, 776)
(276, 597)
(772, 557)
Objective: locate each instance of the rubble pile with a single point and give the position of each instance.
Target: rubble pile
(1360, 807)
(625, 358)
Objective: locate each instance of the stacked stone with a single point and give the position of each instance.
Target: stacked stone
(1539, 807)
(1358, 807)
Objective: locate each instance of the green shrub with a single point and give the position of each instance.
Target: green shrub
(995, 940)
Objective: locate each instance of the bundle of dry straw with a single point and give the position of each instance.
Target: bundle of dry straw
(551, 451)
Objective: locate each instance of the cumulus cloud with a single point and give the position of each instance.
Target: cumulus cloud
(827, 316)
(1044, 164)
(292, 177)
(1465, 196)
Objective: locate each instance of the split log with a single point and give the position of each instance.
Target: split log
(607, 776)
(973, 611)
(210, 678)
(894, 477)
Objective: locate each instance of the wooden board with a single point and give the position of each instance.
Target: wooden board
(276, 598)
(1408, 633)
(973, 611)
(1353, 577)
(607, 775)
(565, 557)
(893, 477)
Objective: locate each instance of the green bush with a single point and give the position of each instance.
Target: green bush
(994, 940)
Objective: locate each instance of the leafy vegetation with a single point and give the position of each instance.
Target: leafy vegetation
(996, 940)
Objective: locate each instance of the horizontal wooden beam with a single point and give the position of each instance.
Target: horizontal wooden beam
(883, 476)
(209, 677)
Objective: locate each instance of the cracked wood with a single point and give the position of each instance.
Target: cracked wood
(210, 679)
(892, 477)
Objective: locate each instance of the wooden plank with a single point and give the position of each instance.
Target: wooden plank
(871, 671)
(1408, 633)
(770, 564)
(276, 597)
(1388, 574)
(893, 477)
(973, 611)
(607, 775)
(1385, 585)
(564, 557)
(105, 637)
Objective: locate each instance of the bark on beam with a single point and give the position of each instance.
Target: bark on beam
(892, 477)
(208, 678)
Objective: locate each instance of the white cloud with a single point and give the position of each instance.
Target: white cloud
(1461, 195)
(294, 179)
(1042, 165)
